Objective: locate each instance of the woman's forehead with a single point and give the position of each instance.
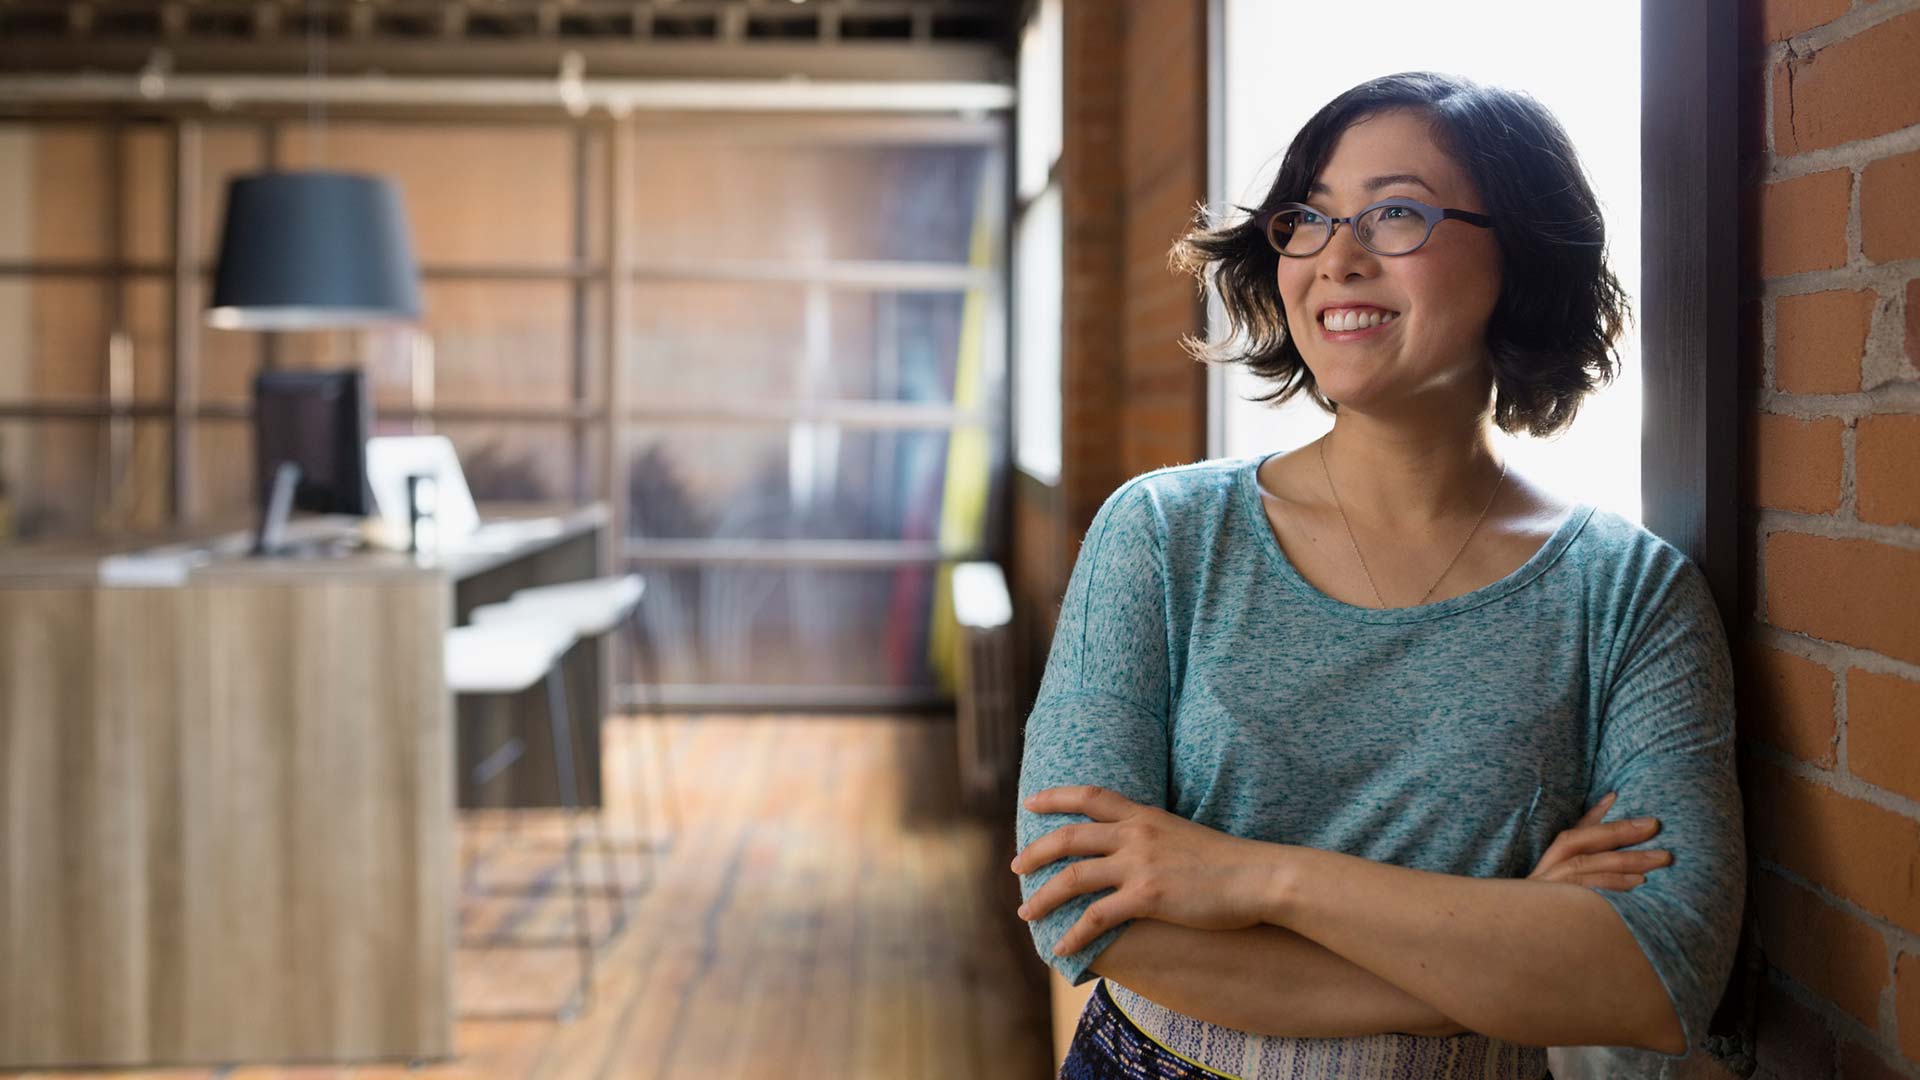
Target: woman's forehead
(1380, 151)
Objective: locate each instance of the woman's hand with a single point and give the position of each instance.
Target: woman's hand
(1160, 866)
(1587, 854)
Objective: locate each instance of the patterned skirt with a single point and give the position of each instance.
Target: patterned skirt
(1110, 1044)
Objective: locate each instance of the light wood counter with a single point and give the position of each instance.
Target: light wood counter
(227, 805)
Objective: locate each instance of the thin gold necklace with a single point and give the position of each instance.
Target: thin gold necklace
(1322, 446)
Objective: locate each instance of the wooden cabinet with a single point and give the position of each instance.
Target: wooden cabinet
(227, 807)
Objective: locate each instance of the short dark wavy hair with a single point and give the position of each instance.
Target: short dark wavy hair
(1553, 333)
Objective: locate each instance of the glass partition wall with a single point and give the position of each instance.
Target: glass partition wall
(774, 345)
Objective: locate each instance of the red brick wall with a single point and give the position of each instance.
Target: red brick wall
(1164, 116)
(1830, 659)
(1132, 168)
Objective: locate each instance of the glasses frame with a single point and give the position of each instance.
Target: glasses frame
(1432, 215)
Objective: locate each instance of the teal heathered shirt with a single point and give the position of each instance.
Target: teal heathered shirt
(1194, 669)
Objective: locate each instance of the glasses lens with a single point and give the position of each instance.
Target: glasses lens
(1392, 230)
(1297, 231)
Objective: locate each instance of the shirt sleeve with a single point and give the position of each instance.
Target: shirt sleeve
(1101, 715)
(1667, 747)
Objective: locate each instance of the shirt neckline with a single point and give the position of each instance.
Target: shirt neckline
(1537, 564)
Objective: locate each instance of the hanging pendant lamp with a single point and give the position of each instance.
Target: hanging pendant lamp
(312, 250)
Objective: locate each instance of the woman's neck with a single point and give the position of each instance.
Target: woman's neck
(1410, 476)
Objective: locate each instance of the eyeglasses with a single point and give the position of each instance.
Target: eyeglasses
(1389, 227)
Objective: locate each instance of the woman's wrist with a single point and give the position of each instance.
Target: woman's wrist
(1277, 876)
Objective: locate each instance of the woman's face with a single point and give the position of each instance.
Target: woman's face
(1432, 350)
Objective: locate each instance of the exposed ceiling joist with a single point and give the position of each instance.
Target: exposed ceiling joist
(906, 39)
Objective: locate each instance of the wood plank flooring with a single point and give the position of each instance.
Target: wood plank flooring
(825, 910)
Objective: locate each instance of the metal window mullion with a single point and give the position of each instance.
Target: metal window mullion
(119, 433)
(620, 153)
(833, 554)
(904, 416)
(871, 275)
(446, 414)
(97, 409)
(137, 268)
(270, 160)
(131, 268)
(579, 271)
(185, 325)
(578, 308)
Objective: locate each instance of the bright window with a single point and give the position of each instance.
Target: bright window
(1037, 245)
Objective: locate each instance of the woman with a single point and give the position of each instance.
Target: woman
(1309, 719)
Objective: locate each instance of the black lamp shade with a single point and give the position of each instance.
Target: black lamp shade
(313, 250)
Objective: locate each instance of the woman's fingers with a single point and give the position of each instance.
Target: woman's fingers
(1599, 810)
(1098, 803)
(1607, 862)
(1584, 839)
(1591, 839)
(1618, 870)
(1085, 876)
(1100, 916)
(1090, 838)
(1616, 882)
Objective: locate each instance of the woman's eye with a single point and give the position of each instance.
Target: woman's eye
(1396, 212)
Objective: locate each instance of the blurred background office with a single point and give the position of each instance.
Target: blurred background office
(633, 685)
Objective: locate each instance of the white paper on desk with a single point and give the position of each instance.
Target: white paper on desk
(504, 535)
(150, 570)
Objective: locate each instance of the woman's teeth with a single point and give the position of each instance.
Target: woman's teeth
(1341, 319)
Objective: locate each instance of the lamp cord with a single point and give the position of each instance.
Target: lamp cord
(316, 67)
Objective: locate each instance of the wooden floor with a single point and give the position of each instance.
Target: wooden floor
(825, 910)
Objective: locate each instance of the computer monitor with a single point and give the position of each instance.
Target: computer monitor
(318, 421)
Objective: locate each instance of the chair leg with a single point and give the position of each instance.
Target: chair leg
(610, 849)
(645, 663)
(642, 820)
(570, 800)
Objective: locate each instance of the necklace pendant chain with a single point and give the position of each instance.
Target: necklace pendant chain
(1355, 544)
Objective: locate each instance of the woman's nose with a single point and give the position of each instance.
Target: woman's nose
(1343, 257)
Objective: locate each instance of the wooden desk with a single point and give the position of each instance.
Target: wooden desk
(226, 805)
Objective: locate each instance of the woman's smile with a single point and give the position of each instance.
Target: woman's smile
(1339, 325)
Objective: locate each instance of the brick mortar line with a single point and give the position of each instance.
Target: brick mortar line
(1856, 245)
(1884, 360)
(1858, 153)
(1769, 150)
(1837, 782)
(1897, 938)
(1832, 655)
(1855, 22)
(1884, 276)
(1842, 743)
(1769, 335)
(1903, 537)
(1849, 490)
(1890, 399)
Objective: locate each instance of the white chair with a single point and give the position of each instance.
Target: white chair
(508, 656)
(597, 606)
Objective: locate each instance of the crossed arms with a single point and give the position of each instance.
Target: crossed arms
(1533, 963)
(1287, 940)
